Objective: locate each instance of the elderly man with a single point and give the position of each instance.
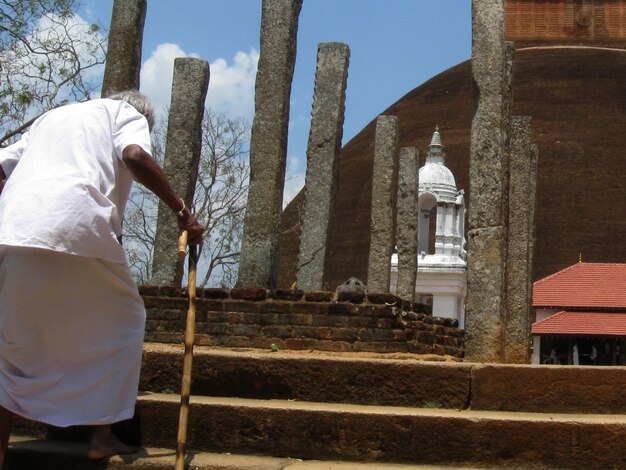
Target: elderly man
(71, 319)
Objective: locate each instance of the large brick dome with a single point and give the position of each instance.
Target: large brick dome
(577, 99)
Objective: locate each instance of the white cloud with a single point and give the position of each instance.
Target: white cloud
(157, 72)
(231, 86)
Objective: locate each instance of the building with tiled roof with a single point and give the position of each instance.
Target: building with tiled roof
(582, 323)
(581, 315)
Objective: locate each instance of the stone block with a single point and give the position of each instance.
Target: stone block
(209, 305)
(226, 317)
(243, 306)
(333, 346)
(165, 302)
(217, 329)
(277, 331)
(215, 293)
(286, 294)
(353, 297)
(343, 309)
(344, 334)
(379, 347)
(165, 314)
(299, 318)
(485, 294)
(148, 290)
(384, 298)
(386, 323)
(549, 389)
(245, 329)
(171, 291)
(231, 341)
(252, 294)
(417, 347)
(309, 308)
(425, 337)
(200, 339)
(319, 296)
(301, 343)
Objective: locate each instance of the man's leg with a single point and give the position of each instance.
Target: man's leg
(104, 443)
(6, 417)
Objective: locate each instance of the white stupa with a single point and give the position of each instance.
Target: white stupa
(441, 262)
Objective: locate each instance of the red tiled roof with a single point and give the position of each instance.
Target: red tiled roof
(601, 285)
(582, 323)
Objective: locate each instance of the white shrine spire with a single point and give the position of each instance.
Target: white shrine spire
(435, 149)
(441, 266)
(434, 176)
(436, 140)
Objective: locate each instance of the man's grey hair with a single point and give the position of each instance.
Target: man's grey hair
(137, 100)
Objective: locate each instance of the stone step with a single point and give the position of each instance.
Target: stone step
(367, 378)
(373, 407)
(27, 453)
(555, 389)
(386, 379)
(330, 431)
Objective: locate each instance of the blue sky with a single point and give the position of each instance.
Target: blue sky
(395, 46)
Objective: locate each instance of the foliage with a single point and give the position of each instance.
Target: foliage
(221, 194)
(219, 202)
(47, 56)
(140, 216)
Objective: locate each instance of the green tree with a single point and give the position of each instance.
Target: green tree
(48, 56)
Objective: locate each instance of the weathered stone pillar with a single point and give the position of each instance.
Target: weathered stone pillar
(182, 155)
(381, 223)
(532, 201)
(322, 151)
(507, 116)
(123, 62)
(268, 144)
(487, 235)
(406, 222)
(518, 319)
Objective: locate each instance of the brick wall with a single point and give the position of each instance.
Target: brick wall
(566, 22)
(293, 319)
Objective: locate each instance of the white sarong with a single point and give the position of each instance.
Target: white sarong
(71, 336)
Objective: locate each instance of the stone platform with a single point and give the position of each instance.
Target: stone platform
(296, 320)
(321, 410)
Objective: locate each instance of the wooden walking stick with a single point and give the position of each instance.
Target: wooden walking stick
(190, 327)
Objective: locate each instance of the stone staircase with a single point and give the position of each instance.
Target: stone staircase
(296, 410)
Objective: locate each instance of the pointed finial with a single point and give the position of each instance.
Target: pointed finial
(580, 257)
(436, 140)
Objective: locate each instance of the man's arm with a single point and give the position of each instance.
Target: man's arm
(3, 178)
(148, 172)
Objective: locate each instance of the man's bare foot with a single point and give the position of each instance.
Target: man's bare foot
(5, 431)
(104, 444)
